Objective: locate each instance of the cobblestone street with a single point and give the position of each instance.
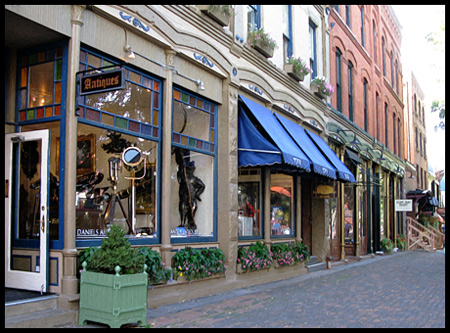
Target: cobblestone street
(401, 290)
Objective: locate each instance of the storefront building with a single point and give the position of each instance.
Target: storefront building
(231, 149)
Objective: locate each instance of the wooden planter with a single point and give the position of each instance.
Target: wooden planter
(113, 299)
(289, 68)
(263, 49)
(217, 14)
(315, 89)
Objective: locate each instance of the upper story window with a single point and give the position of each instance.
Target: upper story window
(347, 15)
(40, 84)
(338, 80)
(254, 17)
(392, 70)
(365, 105)
(363, 42)
(287, 31)
(374, 36)
(386, 132)
(383, 55)
(350, 91)
(313, 49)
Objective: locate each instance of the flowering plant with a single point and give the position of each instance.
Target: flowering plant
(323, 87)
(254, 257)
(401, 242)
(259, 35)
(283, 254)
(198, 263)
(387, 245)
(300, 252)
(299, 65)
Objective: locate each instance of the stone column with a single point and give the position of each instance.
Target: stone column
(69, 288)
(166, 158)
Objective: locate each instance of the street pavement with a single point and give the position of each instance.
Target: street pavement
(402, 290)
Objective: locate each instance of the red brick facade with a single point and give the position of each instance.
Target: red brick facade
(365, 56)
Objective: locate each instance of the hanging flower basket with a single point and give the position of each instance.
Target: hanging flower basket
(219, 13)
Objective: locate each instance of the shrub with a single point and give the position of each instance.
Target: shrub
(401, 242)
(116, 251)
(300, 252)
(387, 245)
(156, 270)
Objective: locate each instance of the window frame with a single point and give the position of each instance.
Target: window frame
(350, 91)
(338, 80)
(313, 41)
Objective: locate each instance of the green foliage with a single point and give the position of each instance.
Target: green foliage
(300, 252)
(439, 107)
(254, 257)
(156, 270)
(259, 35)
(198, 263)
(282, 253)
(387, 245)
(226, 9)
(116, 251)
(401, 242)
(85, 256)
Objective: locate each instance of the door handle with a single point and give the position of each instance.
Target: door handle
(43, 224)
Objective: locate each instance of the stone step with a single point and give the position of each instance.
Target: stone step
(19, 307)
(313, 265)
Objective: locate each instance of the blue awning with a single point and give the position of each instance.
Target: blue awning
(292, 155)
(343, 172)
(320, 164)
(254, 149)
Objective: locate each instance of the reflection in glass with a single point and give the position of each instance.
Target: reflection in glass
(281, 204)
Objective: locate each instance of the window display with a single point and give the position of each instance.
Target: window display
(192, 167)
(121, 189)
(249, 201)
(281, 204)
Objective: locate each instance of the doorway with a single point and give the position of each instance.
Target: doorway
(26, 210)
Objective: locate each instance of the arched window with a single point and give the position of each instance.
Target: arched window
(350, 90)
(338, 80)
(383, 55)
(374, 36)
(365, 105)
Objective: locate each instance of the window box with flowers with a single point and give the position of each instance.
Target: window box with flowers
(255, 257)
(262, 42)
(297, 68)
(194, 264)
(321, 88)
(219, 13)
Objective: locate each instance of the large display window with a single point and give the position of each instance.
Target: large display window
(193, 168)
(118, 154)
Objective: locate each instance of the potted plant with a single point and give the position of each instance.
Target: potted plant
(282, 254)
(254, 257)
(219, 13)
(401, 242)
(297, 68)
(300, 252)
(198, 264)
(321, 88)
(387, 245)
(262, 42)
(114, 289)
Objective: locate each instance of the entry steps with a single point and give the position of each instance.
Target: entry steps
(40, 312)
(313, 265)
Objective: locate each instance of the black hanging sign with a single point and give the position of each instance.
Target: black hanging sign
(101, 82)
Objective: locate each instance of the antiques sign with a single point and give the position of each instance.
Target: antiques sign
(101, 82)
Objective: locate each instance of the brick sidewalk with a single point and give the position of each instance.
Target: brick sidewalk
(401, 290)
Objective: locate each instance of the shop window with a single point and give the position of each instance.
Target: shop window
(40, 85)
(249, 201)
(193, 168)
(281, 204)
(104, 192)
(135, 108)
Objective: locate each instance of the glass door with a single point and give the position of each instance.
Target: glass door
(26, 220)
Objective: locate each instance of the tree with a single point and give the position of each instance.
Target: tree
(440, 108)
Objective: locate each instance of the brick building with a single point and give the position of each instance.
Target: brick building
(367, 107)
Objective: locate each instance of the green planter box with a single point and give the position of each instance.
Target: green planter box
(113, 299)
